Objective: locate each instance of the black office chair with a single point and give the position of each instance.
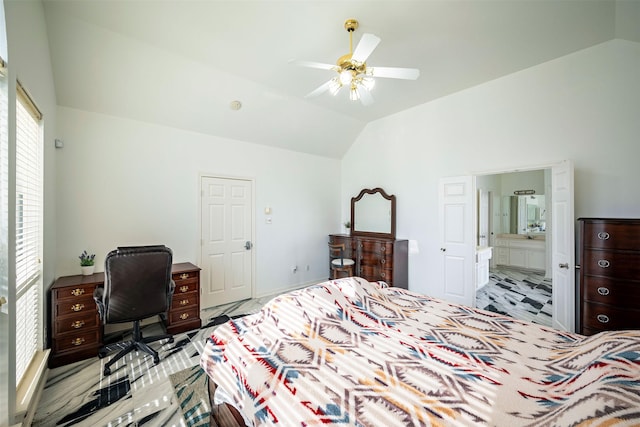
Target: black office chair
(137, 285)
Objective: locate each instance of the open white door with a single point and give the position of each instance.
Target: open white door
(457, 239)
(563, 241)
(483, 218)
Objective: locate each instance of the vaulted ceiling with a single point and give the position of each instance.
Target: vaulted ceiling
(181, 63)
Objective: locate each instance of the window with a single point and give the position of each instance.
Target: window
(28, 231)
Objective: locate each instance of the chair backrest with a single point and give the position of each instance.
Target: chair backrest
(336, 251)
(137, 283)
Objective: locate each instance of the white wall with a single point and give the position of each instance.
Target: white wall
(584, 107)
(125, 182)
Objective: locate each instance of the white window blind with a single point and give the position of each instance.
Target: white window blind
(28, 231)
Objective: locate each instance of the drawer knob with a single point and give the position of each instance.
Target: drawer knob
(383, 275)
(383, 261)
(184, 302)
(184, 316)
(77, 292)
(603, 235)
(77, 341)
(77, 307)
(184, 288)
(184, 276)
(603, 263)
(602, 318)
(383, 249)
(603, 291)
(77, 324)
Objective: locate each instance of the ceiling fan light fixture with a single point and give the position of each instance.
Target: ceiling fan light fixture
(346, 77)
(368, 83)
(352, 70)
(353, 93)
(334, 86)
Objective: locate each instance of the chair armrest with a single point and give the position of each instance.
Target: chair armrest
(98, 293)
(172, 287)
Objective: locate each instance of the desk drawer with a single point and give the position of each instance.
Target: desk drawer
(81, 321)
(184, 300)
(188, 276)
(186, 286)
(71, 340)
(75, 305)
(189, 314)
(79, 292)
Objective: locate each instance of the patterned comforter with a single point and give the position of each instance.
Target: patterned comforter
(351, 352)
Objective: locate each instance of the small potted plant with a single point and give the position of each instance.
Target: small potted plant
(87, 263)
(347, 225)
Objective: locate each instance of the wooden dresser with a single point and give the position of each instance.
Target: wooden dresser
(75, 328)
(377, 258)
(609, 290)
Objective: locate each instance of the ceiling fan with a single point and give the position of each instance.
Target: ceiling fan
(352, 70)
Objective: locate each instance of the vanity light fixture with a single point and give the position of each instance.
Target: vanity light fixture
(524, 192)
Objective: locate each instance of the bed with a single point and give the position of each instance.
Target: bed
(352, 352)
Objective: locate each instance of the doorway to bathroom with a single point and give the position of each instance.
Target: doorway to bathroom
(514, 220)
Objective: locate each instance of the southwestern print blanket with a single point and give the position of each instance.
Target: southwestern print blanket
(351, 352)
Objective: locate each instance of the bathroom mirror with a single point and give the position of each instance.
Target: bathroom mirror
(524, 214)
(373, 213)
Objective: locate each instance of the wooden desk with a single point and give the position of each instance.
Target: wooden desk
(76, 330)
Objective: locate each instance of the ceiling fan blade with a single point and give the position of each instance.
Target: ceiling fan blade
(394, 72)
(319, 90)
(365, 96)
(367, 44)
(312, 64)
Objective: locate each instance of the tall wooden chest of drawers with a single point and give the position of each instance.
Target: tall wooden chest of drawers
(75, 328)
(377, 258)
(609, 275)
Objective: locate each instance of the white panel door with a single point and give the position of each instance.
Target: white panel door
(562, 246)
(227, 235)
(457, 239)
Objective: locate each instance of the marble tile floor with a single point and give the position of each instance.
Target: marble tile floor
(137, 393)
(520, 294)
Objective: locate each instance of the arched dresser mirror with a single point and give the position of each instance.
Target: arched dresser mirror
(373, 213)
(372, 243)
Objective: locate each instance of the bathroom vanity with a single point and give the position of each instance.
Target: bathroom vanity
(521, 250)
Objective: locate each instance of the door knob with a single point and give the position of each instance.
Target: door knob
(3, 301)
(248, 245)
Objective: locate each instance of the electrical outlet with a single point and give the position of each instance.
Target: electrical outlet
(307, 267)
(294, 269)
